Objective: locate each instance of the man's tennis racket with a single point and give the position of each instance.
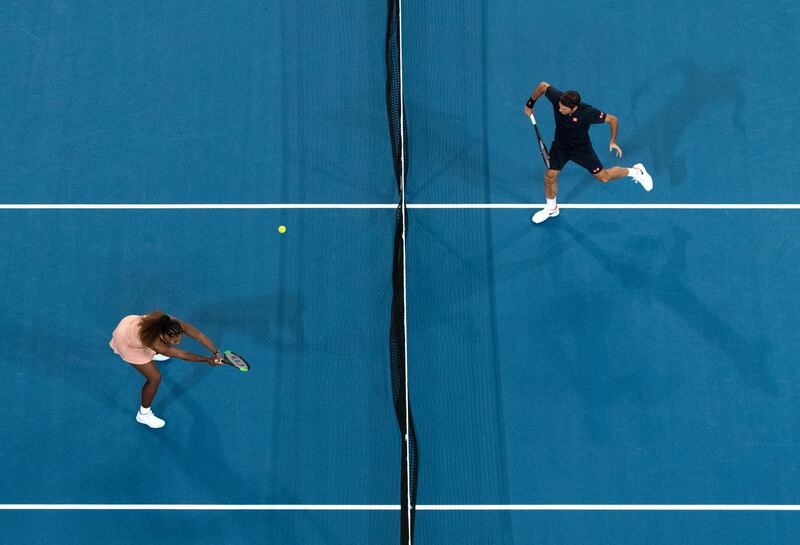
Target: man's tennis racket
(234, 359)
(542, 147)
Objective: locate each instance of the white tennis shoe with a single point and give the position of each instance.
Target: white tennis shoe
(643, 178)
(160, 357)
(544, 214)
(149, 419)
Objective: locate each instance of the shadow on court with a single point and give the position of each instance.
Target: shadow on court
(81, 359)
(749, 356)
(275, 319)
(700, 87)
(672, 97)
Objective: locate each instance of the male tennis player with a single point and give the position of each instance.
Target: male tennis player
(572, 143)
(139, 340)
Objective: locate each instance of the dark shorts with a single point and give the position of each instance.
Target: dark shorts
(585, 157)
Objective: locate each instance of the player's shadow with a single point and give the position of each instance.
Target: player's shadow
(81, 359)
(659, 135)
(749, 355)
(581, 328)
(548, 250)
(272, 319)
(578, 328)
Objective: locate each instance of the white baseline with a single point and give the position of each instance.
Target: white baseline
(419, 206)
(336, 507)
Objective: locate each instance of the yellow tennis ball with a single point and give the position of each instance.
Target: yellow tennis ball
(282, 229)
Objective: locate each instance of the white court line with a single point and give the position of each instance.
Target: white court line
(251, 206)
(689, 206)
(300, 206)
(610, 507)
(304, 507)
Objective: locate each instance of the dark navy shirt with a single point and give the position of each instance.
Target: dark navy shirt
(572, 131)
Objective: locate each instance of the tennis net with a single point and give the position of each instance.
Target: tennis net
(398, 330)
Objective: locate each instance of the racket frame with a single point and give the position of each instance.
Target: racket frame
(542, 147)
(228, 362)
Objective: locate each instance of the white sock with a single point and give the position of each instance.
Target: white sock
(634, 172)
(142, 410)
(551, 204)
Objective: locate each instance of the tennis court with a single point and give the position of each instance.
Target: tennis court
(624, 373)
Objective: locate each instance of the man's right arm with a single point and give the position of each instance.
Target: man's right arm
(537, 92)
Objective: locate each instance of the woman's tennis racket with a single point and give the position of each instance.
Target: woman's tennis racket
(234, 359)
(542, 147)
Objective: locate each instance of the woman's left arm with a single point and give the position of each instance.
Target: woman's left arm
(199, 336)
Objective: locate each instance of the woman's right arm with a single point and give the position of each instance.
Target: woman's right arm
(173, 352)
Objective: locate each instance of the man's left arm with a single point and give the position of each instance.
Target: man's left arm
(612, 121)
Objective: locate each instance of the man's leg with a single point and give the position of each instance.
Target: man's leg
(551, 183)
(550, 192)
(637, 172)
(558, 158)
(613, 173)
(588, 159)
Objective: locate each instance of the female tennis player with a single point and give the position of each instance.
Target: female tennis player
(572, 143)
(139, 340)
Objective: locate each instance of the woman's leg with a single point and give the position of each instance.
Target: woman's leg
(153, 376)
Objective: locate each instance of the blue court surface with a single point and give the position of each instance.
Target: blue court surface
(625, 373)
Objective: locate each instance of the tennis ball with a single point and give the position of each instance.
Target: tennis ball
(282, 229)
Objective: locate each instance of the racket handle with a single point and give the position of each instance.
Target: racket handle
(533, 120)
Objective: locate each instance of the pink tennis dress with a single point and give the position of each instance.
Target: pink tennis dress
(126, 344)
